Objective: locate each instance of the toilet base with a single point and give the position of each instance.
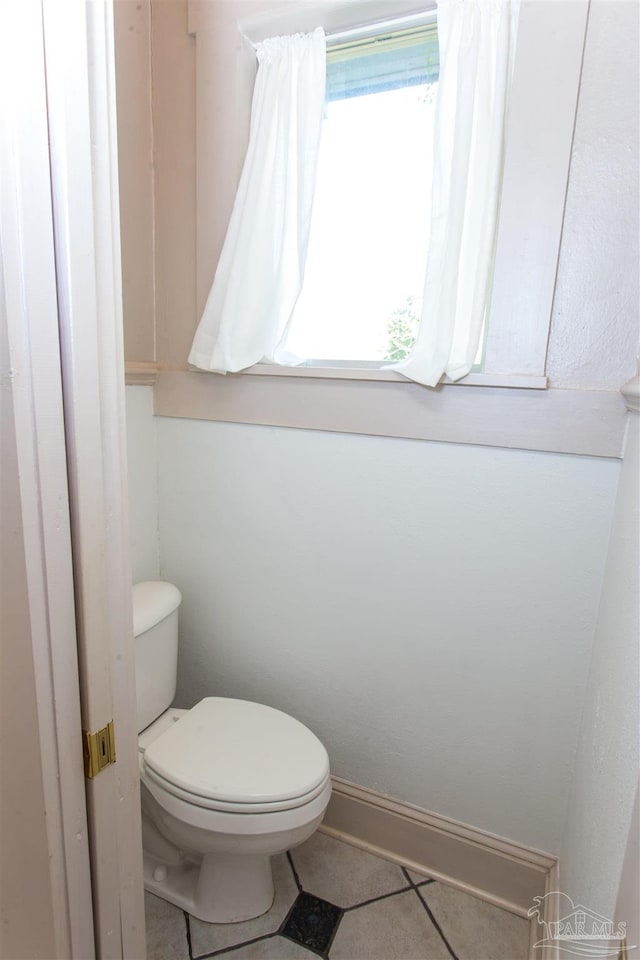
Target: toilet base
(220, 888)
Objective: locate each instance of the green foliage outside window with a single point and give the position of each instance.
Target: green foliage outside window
(402, 330)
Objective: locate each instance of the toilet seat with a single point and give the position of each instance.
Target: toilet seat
(225, 807)
(238, 756)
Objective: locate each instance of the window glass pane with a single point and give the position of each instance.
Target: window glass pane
(385, 63)
(369, 239)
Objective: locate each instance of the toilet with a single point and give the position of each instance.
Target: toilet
(224, 786)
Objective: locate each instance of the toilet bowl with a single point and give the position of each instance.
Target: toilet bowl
(224, 786)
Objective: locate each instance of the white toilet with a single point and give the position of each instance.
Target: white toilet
(225, 786)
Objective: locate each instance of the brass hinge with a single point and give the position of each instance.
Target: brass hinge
(99, 750)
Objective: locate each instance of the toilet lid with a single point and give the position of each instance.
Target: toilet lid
(239, 752)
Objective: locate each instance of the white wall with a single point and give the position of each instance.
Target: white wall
(595, 323)
(142, 459)
(595, 331)
(428, 609)
(629, 892)
(608, 757)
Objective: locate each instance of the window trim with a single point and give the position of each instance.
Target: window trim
(554, 420)
(540, 132)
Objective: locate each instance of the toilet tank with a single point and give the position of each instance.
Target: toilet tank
(155, 628)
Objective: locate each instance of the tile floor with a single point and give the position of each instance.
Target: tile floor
(337, 902)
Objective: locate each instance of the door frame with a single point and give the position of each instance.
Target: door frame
(28, 310)
(62, 302)
(81, 103)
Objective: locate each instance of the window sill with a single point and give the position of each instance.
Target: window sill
(585, 422)
(373, 373)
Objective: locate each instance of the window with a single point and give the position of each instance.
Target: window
(379, 402)
(251, 306)
(539, 137)
(364, 277)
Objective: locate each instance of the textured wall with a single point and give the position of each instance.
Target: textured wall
(608, 757)
(594, 334)
(600, 250)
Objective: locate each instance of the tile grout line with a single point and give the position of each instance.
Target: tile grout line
(435, 923)
(421, 883)
(187, 921)
(305, 946)
(383, 896)
(295, 872)
(335, 930)
(236, 946)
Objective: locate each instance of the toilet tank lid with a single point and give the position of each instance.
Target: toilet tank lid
(153, 600)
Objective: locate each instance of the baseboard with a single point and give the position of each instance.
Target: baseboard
(547, 951)
(496, 870)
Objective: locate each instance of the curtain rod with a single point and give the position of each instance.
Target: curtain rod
(256, 29)
(360, 33)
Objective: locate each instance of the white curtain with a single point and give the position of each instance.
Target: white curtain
(477, 44)
(261, 267)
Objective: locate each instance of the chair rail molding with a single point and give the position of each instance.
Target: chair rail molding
(140, 373)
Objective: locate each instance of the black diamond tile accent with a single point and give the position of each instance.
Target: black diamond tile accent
(312, 922)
